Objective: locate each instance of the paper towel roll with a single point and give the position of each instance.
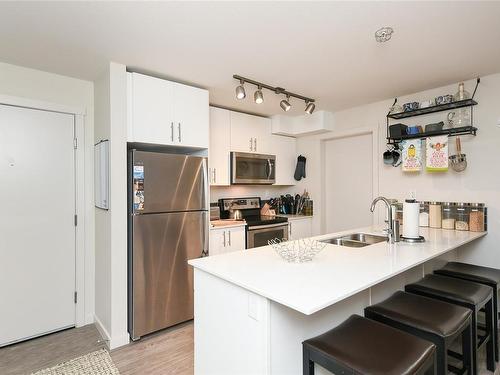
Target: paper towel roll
(411, 213)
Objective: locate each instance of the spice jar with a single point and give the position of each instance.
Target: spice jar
(462, 216)
(448, 216)
(435, 214)
(423, 217)
(476, 217)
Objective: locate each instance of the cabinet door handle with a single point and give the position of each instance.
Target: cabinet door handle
(290, 226)
(229, 237)
(224, 236)
(251, 144)
(255, 144)
(172, 131)
(215, 175)
(179, 134)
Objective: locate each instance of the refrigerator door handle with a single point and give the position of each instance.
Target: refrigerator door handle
(205, 184)
(205, 250)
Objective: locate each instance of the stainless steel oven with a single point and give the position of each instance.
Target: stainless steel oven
(257, 169)
(258, 235)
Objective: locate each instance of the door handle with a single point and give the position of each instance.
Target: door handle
(224, 236)
(251, 144)
(290, 227)
(179, 133)
(270, 165)
(255, 144)
(215, 175)
(172, 131)
(229, 237)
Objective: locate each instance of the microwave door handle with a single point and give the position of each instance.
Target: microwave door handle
(270, 166)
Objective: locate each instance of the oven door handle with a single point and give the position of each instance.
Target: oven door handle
(284, 224)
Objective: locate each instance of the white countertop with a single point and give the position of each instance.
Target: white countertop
(334, 274)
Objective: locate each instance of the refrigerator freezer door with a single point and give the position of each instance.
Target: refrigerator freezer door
(162, 281)
(171, 182)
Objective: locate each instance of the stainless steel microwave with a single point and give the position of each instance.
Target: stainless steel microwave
(256, 169)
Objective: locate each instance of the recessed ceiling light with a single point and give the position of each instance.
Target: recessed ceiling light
(384, 34)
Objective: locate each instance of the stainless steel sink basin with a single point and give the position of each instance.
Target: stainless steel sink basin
(356, 240)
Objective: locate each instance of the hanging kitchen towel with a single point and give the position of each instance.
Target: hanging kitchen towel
(436, 155)
(300, 169)
(412, 155)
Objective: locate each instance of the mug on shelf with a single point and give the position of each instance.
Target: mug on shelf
(411, 106)
(444, 99)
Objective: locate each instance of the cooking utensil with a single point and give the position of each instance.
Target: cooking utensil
(458, 161)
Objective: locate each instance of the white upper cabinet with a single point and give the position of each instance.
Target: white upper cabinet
(286, 159)
(191, 115)
(220, 144)
(250, 133)
(167, 113)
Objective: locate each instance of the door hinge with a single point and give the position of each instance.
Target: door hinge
(75, 143)
(76, 297)
(76, 220)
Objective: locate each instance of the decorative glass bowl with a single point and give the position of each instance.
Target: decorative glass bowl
(298, 251)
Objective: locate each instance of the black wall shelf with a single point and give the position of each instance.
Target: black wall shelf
(465, 130)
(433, 109)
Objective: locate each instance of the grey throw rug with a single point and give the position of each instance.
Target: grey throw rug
(95, 363)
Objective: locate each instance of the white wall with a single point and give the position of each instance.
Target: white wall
(111, 225)
(480, 182)
(42, 86)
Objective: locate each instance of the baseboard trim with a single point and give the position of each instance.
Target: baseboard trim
(111, 342)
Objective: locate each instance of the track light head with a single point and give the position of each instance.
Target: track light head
(310, 107)
(240, 91)
(285, 104)
(258, 97)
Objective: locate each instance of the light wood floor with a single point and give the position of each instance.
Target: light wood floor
(167, 352)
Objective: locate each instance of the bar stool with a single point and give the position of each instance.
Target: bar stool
(479, 274)
(363, 346)
(471, 295)
(430, 319)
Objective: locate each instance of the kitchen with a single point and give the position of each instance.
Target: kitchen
(256, 172)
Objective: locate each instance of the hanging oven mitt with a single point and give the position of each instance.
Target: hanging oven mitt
(300, 169)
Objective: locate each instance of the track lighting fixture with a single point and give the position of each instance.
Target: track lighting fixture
(240, 91)
(258, 96)
(310, 107)
(285, 104)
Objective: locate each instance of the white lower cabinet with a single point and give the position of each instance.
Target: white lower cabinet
(299, 228)
(225, 240)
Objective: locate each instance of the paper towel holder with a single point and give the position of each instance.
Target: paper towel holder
(420, 239)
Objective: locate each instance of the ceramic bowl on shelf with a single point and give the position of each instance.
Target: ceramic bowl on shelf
(444, 99)
(427, 103)
(411, 106)
(434, 127)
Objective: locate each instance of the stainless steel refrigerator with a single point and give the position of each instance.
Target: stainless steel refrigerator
(167, 225)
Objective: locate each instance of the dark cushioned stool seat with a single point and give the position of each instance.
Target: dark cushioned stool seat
(439, 322)
(363, 346)
(427, 314)
(471, 295)
(454, 289)
(472, 272)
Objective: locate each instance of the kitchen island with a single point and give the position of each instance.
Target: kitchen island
(253, 309)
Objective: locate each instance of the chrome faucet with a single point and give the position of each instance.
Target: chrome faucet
(392, 232)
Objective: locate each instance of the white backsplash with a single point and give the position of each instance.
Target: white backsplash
(242, 191)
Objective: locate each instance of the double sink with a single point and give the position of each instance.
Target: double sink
(355, 240)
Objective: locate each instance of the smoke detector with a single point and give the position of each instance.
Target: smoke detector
(383, 34)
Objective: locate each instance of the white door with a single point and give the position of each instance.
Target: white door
(37, 232)
(218, 152)
(152, 110)
(236, 238)
(348, 182)
(191, 116)
(262, 132)
(300, 228)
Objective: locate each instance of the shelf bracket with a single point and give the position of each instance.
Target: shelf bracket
(477, 84)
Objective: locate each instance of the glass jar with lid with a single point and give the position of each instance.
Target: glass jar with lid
(462, 216)
(477, 217)
(435, 214)
(423, 218)
(448, 215)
